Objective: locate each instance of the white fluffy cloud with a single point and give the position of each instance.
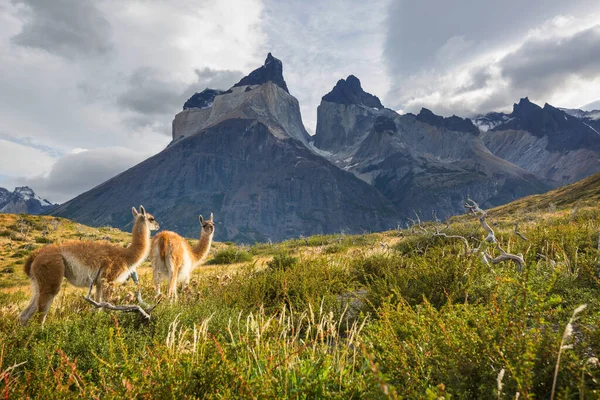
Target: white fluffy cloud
(80, 171)
(21, 160)
(476, 65)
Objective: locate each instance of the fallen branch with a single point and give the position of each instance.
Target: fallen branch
(127, 308)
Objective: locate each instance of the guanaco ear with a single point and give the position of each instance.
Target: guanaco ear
(211, 217)
(134, 212)
(201, 220)
(142, 210)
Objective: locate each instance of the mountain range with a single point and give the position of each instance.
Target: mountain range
(23, 200)
(245, 155)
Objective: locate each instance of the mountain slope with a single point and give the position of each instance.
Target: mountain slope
(548, 142)
(586, 192)
(259, 186)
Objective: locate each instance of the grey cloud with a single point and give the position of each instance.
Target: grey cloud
(540, 67)
(216, 79)
(479, 78)
(74, 174)
(417, 30)
(68, 28)
(149, 94)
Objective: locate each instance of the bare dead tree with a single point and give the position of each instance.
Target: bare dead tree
(126, 308)
(474, 208)
(481, 214)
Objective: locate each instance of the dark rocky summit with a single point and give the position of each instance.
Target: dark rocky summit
(424, 163)
(271, 71)
(203, 99)
(350, 91)
(564, 132)
(345, 115)
(452, 123)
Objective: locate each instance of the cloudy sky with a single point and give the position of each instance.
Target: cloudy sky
(88, 88)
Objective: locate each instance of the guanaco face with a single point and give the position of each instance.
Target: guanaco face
(146, 217)
(174, 259)
(208, 227)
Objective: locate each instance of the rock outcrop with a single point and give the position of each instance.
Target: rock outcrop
(204, 99)
(263, 99)
(271, 71)
(345, 116)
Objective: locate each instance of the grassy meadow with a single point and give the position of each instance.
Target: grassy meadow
(399, 314)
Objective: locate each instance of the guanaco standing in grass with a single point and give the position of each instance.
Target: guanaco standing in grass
(83, 261)
(174, 259)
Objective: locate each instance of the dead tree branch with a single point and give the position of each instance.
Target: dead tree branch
(473, 207)
(481, 214)
(504, 256)
(439, 233)
(127, 308)
(518, 233)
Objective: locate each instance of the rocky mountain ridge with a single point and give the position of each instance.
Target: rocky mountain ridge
(547, 141)
(23, 200)
(245, 155)
(423, 163)
(246, 158)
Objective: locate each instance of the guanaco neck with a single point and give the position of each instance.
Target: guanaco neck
(200, 250)
(140, 242)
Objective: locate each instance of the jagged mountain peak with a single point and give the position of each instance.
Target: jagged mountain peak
(22, 200)
(203, 99)
(350, 91)
(525, 108)
(452, 123)
(270, 71)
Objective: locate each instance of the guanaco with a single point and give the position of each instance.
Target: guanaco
(174, 259)
(83, 261)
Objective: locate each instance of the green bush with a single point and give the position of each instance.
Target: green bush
(282, 261)
(231, 255)
(42, 239)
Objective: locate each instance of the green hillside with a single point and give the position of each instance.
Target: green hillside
(399, 314)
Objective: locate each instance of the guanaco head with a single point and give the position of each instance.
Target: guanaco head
(147, 218)
(208, 227)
